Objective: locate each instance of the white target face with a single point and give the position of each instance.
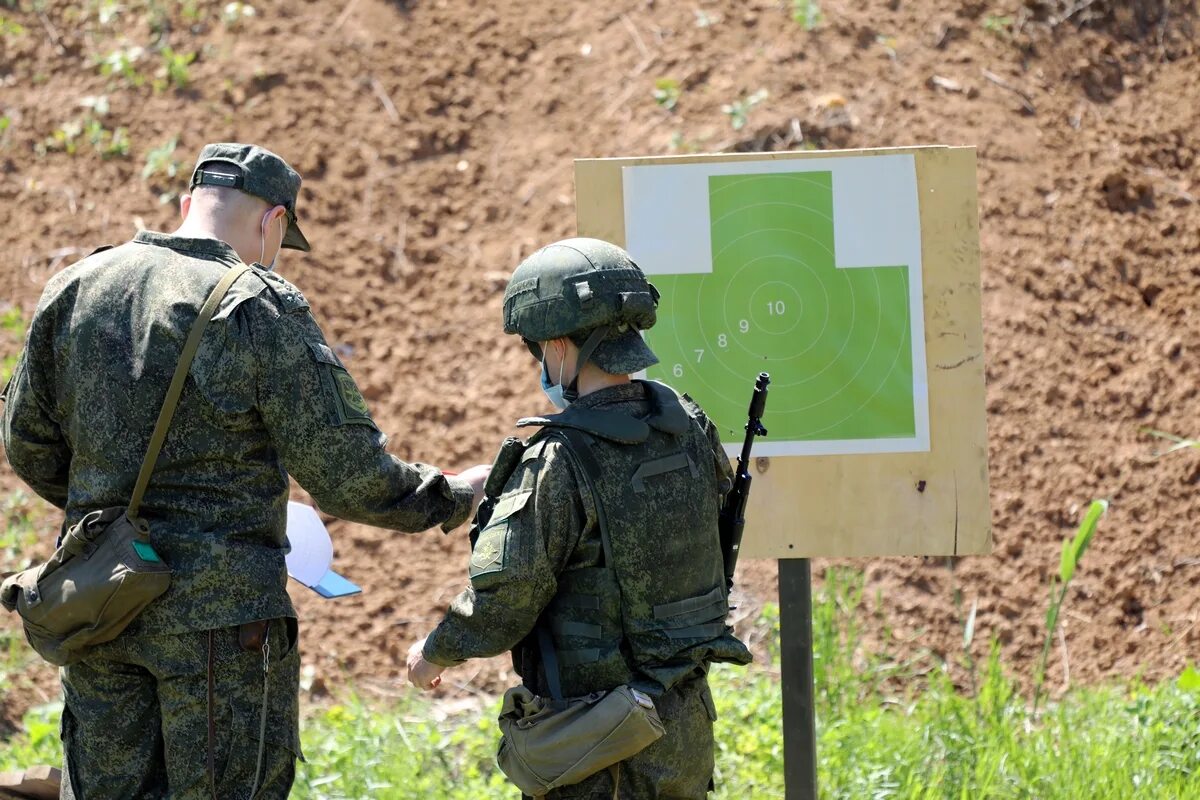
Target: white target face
(809, 270)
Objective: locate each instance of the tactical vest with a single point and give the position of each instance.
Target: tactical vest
(654, 613)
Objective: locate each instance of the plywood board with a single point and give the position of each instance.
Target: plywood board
(866, 265)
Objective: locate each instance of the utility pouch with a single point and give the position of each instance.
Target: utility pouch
(105, 571)
(503, 467)
(100, 578)
(546, 745)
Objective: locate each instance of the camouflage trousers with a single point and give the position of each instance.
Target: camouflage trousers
(135, 723)
(679, 766)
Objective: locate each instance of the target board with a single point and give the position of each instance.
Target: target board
(851, 277)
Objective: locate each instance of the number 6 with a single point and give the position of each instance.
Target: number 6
(678, 371)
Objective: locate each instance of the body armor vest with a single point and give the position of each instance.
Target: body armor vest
(654, 613)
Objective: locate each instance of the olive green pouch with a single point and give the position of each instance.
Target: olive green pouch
(100, 578)
(547, 743)
(105, 571)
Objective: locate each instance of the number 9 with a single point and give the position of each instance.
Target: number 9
(744, 326)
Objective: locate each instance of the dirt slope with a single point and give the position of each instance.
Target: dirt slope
(436, 138)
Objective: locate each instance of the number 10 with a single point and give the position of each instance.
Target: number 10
(776, 308)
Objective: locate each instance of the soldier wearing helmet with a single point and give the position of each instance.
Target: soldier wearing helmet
(596, 556)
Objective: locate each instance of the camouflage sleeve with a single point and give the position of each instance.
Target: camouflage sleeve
(33, 440)
(326, 439)
(534, 528)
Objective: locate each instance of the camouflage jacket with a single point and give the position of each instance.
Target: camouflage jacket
(266, 397)
(551, 534)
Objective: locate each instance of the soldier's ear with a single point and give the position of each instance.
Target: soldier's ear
(185, 205)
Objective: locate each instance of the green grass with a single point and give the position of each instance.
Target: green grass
(927, 739)
(12, 327)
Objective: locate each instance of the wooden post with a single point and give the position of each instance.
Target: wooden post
(796, 653)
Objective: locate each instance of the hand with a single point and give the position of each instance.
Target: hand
(477, 477)
(421, 673)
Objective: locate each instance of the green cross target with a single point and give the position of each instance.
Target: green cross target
(837, 341)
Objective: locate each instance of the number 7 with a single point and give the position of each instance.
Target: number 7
(699, 355)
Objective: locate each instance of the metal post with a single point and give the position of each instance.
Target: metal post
(795, 648)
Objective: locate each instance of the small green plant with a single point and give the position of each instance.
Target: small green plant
(63, 139)
(1072, 550)
(12, 326)
(235, 13)
(998, 25)
(889, 44)
(97, 104)
(190, 11)
(1178, 442)
(67, 139)
(107, 11)
(109, 144)
(18, 534)
(807, 13)
(39, 742)
(121, 63)
(174, 71)
(12, 321)
(739, 110)
(666, 93)
(161, 160)
(10, 28)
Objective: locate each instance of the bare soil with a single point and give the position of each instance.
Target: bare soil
(436, 139)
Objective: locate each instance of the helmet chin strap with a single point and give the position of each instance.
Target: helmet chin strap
(571, 392)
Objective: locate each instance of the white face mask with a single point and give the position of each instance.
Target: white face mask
(262, 251)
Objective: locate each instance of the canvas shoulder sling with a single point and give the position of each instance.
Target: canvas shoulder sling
(105, 571)
(548, 743)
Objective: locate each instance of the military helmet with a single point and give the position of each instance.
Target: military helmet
(591, 291)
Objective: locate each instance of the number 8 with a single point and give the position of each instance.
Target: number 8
(723, 340)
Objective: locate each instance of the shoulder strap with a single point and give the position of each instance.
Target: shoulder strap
(176, 388)
(580, 449)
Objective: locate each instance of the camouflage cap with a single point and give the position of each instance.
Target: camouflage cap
(571, 288)
(263, 174)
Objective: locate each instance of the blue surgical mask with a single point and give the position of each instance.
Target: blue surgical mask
(553, 391)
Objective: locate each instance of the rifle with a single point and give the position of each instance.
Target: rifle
(733, 512)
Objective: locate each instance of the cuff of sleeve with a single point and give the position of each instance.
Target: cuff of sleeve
(430, 651)
(464, 497)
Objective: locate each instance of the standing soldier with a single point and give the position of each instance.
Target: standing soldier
(179, 704)
(601, 552)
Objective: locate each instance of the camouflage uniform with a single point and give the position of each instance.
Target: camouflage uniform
(540, 558)
(266, 397)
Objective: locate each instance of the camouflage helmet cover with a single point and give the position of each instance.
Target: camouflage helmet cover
(575, 286)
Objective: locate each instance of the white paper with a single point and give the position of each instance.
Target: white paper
(312, 549)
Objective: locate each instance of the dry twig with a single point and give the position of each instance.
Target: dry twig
(385, 101)
(1026, 100)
